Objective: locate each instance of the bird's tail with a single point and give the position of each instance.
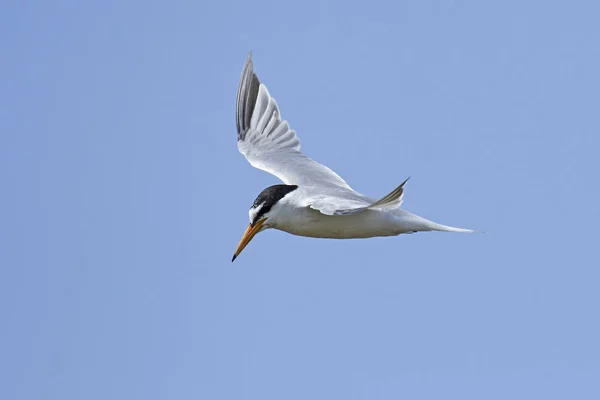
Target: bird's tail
(420, 224)
(446, 228)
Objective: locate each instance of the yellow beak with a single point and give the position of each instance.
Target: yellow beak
(248, 235)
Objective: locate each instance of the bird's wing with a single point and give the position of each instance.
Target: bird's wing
(343, 204)
(336, 202)
(269, 144)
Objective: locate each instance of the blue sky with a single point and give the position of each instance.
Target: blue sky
(124, 197)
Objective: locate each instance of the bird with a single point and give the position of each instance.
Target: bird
(313, 200)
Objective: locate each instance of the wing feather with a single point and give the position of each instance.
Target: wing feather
(269, 144)
(390, 201)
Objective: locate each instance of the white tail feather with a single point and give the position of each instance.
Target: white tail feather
(415, 223)
(445, 228)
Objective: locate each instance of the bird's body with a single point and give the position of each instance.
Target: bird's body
(293, 216)
(303, 221)
(313, 201)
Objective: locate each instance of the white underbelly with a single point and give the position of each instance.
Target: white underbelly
(365, 224)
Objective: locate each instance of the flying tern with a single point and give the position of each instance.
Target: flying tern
(313, 200)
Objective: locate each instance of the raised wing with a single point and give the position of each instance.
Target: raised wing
(269, 144)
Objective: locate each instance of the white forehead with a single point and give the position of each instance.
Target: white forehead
(254, 211)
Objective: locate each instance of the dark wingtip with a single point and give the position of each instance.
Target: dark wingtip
(246, 97)
(234, 257)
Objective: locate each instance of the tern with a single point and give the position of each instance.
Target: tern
(313, 200)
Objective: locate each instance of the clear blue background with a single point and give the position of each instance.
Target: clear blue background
(124, 196)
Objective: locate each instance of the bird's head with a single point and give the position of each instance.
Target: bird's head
(263, 213)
